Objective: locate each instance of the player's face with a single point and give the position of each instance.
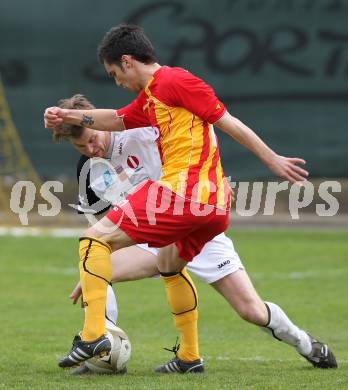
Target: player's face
(92, 143)
(124, 76)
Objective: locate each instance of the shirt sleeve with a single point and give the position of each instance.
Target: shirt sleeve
(133, 115)
(188, 91)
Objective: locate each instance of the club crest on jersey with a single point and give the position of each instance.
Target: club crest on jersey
(133, 162)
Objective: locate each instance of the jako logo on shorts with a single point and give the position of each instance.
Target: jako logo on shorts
(223, 264)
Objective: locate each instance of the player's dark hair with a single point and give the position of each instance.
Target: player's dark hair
(65, 130)
(126, 39)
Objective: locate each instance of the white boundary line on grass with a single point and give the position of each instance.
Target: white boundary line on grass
(299, 275)
(249, 359)
(49, 270)
(261, 359)
(39, 232)
(75, 232)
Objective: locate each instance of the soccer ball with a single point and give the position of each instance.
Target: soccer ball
(118, 357)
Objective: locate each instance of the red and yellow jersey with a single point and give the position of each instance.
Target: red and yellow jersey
(183, 108)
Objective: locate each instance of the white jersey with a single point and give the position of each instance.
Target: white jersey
(134, 157)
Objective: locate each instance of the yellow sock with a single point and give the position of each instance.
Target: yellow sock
(182, 297)
(95, 275)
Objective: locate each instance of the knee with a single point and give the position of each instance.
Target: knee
(91, 233)
(168, 260)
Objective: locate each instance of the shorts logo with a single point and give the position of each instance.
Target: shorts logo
(133, 162)
(223, 264)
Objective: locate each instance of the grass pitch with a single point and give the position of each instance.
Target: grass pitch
(306, 273)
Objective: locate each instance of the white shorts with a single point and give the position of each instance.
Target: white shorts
(217, 259)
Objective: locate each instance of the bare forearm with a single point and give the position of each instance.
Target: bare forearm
(284, 167)
(99, 119)
(245, 136)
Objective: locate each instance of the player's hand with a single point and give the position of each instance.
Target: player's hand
(76, 293)
(288, 168)
(54, 116)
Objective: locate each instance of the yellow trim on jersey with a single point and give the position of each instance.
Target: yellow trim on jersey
(182, 142)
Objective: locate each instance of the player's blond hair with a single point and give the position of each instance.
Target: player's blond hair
(67, 131)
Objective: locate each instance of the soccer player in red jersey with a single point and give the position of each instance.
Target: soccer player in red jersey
(182, 211)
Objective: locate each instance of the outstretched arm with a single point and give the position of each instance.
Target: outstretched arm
(99, 119)
(284, 167)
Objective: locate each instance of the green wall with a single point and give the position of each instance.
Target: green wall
(280, 65)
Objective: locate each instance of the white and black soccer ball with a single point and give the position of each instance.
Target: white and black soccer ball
(116, 361)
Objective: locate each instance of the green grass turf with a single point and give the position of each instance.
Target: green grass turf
(306, 273)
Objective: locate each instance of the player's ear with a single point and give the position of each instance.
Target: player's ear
(127, 61)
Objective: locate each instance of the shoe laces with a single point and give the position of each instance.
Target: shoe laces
(175, 348)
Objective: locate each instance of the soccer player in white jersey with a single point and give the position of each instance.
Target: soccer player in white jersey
(110, 166)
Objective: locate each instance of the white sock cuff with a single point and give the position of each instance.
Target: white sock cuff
(276, 316)
(269, 314)
(111, 310)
